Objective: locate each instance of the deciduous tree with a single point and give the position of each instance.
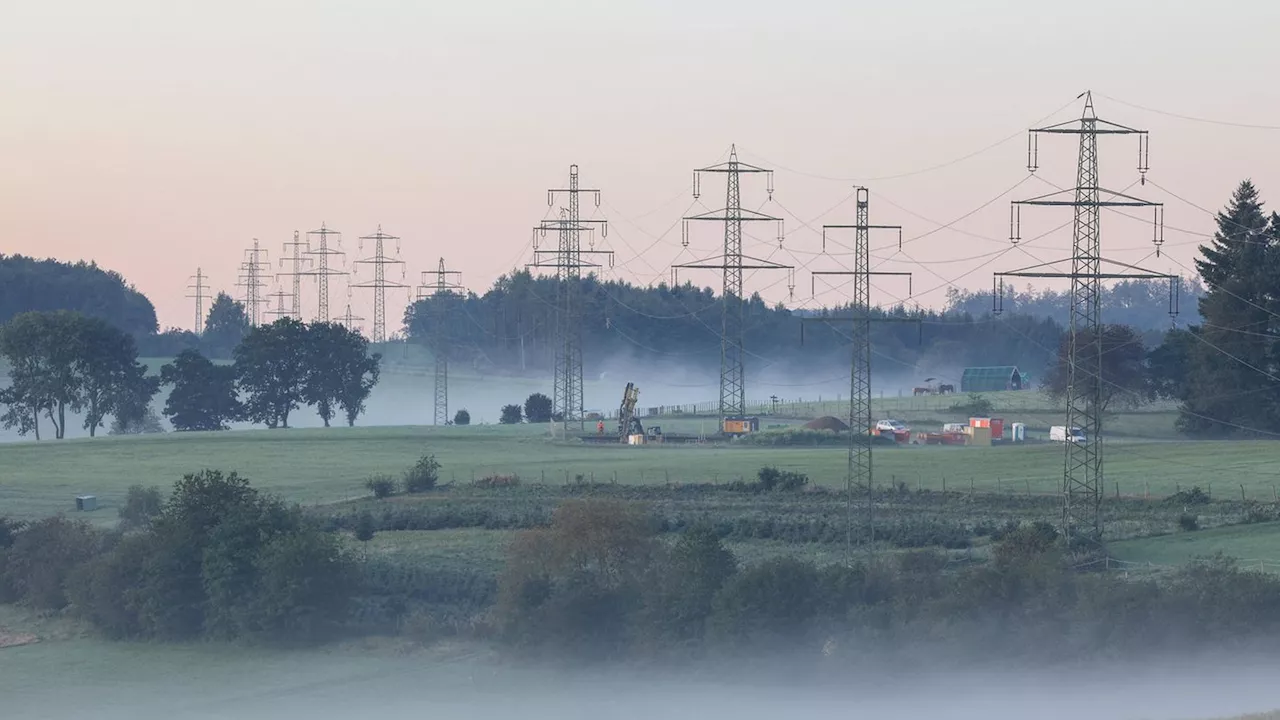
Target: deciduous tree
(271, 369)
(1124, 372)
(203, 395)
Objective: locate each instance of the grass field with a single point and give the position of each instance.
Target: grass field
(1258, 545)
(314, 466)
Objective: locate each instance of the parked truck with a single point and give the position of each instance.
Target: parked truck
(1058, 433)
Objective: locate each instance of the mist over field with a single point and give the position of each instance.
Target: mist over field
(404, 394)
(343, 685)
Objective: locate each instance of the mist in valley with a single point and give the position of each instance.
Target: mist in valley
(343, 684)
(405, 394)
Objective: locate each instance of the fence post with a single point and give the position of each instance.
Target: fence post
(970, 487)
(544, 476)
(1242, 493)
(944, 484)
(1028, 488)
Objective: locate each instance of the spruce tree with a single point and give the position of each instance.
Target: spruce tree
(1236, 348)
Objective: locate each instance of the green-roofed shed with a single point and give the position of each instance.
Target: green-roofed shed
(990, 379)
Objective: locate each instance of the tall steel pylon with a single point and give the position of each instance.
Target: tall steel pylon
(200, 293)
(298, 262)
(443, 288)
(1082, 474)
(380, 284)
(349, 319)
(567, 259)
(322, 254)
(732, 262)
(280, 310)
(251, 272)
(859, 478)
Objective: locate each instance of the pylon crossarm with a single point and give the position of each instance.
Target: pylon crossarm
(744, 215)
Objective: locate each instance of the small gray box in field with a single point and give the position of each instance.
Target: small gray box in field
(87, 503)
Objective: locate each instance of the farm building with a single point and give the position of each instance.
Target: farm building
(990, 379)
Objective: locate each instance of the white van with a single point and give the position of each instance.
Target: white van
(1058, 433)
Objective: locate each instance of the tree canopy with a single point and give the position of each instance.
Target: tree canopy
(28, 284)
(64, 360)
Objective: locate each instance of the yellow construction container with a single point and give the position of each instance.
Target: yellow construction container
(978, 436)
(637, 439)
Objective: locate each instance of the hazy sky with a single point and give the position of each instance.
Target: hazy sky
(155, 137)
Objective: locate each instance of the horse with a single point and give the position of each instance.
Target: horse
(921, 391)
(945, 389)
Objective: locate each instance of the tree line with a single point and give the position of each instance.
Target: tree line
(31, 285)
(277, 369)
(219, 560)
(513, 324)
(64, 361)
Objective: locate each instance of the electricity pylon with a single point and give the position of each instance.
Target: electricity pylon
(441, 290)
(251, 271)
(200, 290)
(322, 254)
(379, 284)
(1082, 474)
(732, 262)
(297, 249)
(567, 260)
(859, 477)
(349, 319)
(280, 310)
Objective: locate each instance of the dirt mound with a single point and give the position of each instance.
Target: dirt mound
(827, 423)
(12, 639)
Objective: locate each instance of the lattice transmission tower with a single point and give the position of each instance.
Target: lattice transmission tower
(441, 286)
(349, 319)
(568, 261)
(281, 309)
(252, 271)
(732, 262)
(380, 284)
(200, 291)
(322, 254)
(859, 478)
(1082, 474)
(298, 263)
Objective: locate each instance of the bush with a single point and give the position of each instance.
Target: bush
(537, 408)
(423, 475)
(9, 530)
(141, 504)
(1188, 522)
(975, 405)
(364, 527)
(771, 478)
(148, 424)
(44, 554)
(511, 415)
(462, 417)
(771, 601)
(381, 486)
(498, 481)
(1194, 496)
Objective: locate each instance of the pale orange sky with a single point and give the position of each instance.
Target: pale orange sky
(155, 137)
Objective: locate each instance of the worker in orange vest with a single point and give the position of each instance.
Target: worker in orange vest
(600, 427)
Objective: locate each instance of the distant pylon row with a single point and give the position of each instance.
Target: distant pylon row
(312, 257)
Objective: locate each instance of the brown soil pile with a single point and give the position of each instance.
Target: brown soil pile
(827, 423)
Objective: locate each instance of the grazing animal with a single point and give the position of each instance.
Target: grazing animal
(945, 389)
(921, 391)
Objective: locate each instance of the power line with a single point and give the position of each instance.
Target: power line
(1192, 118)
